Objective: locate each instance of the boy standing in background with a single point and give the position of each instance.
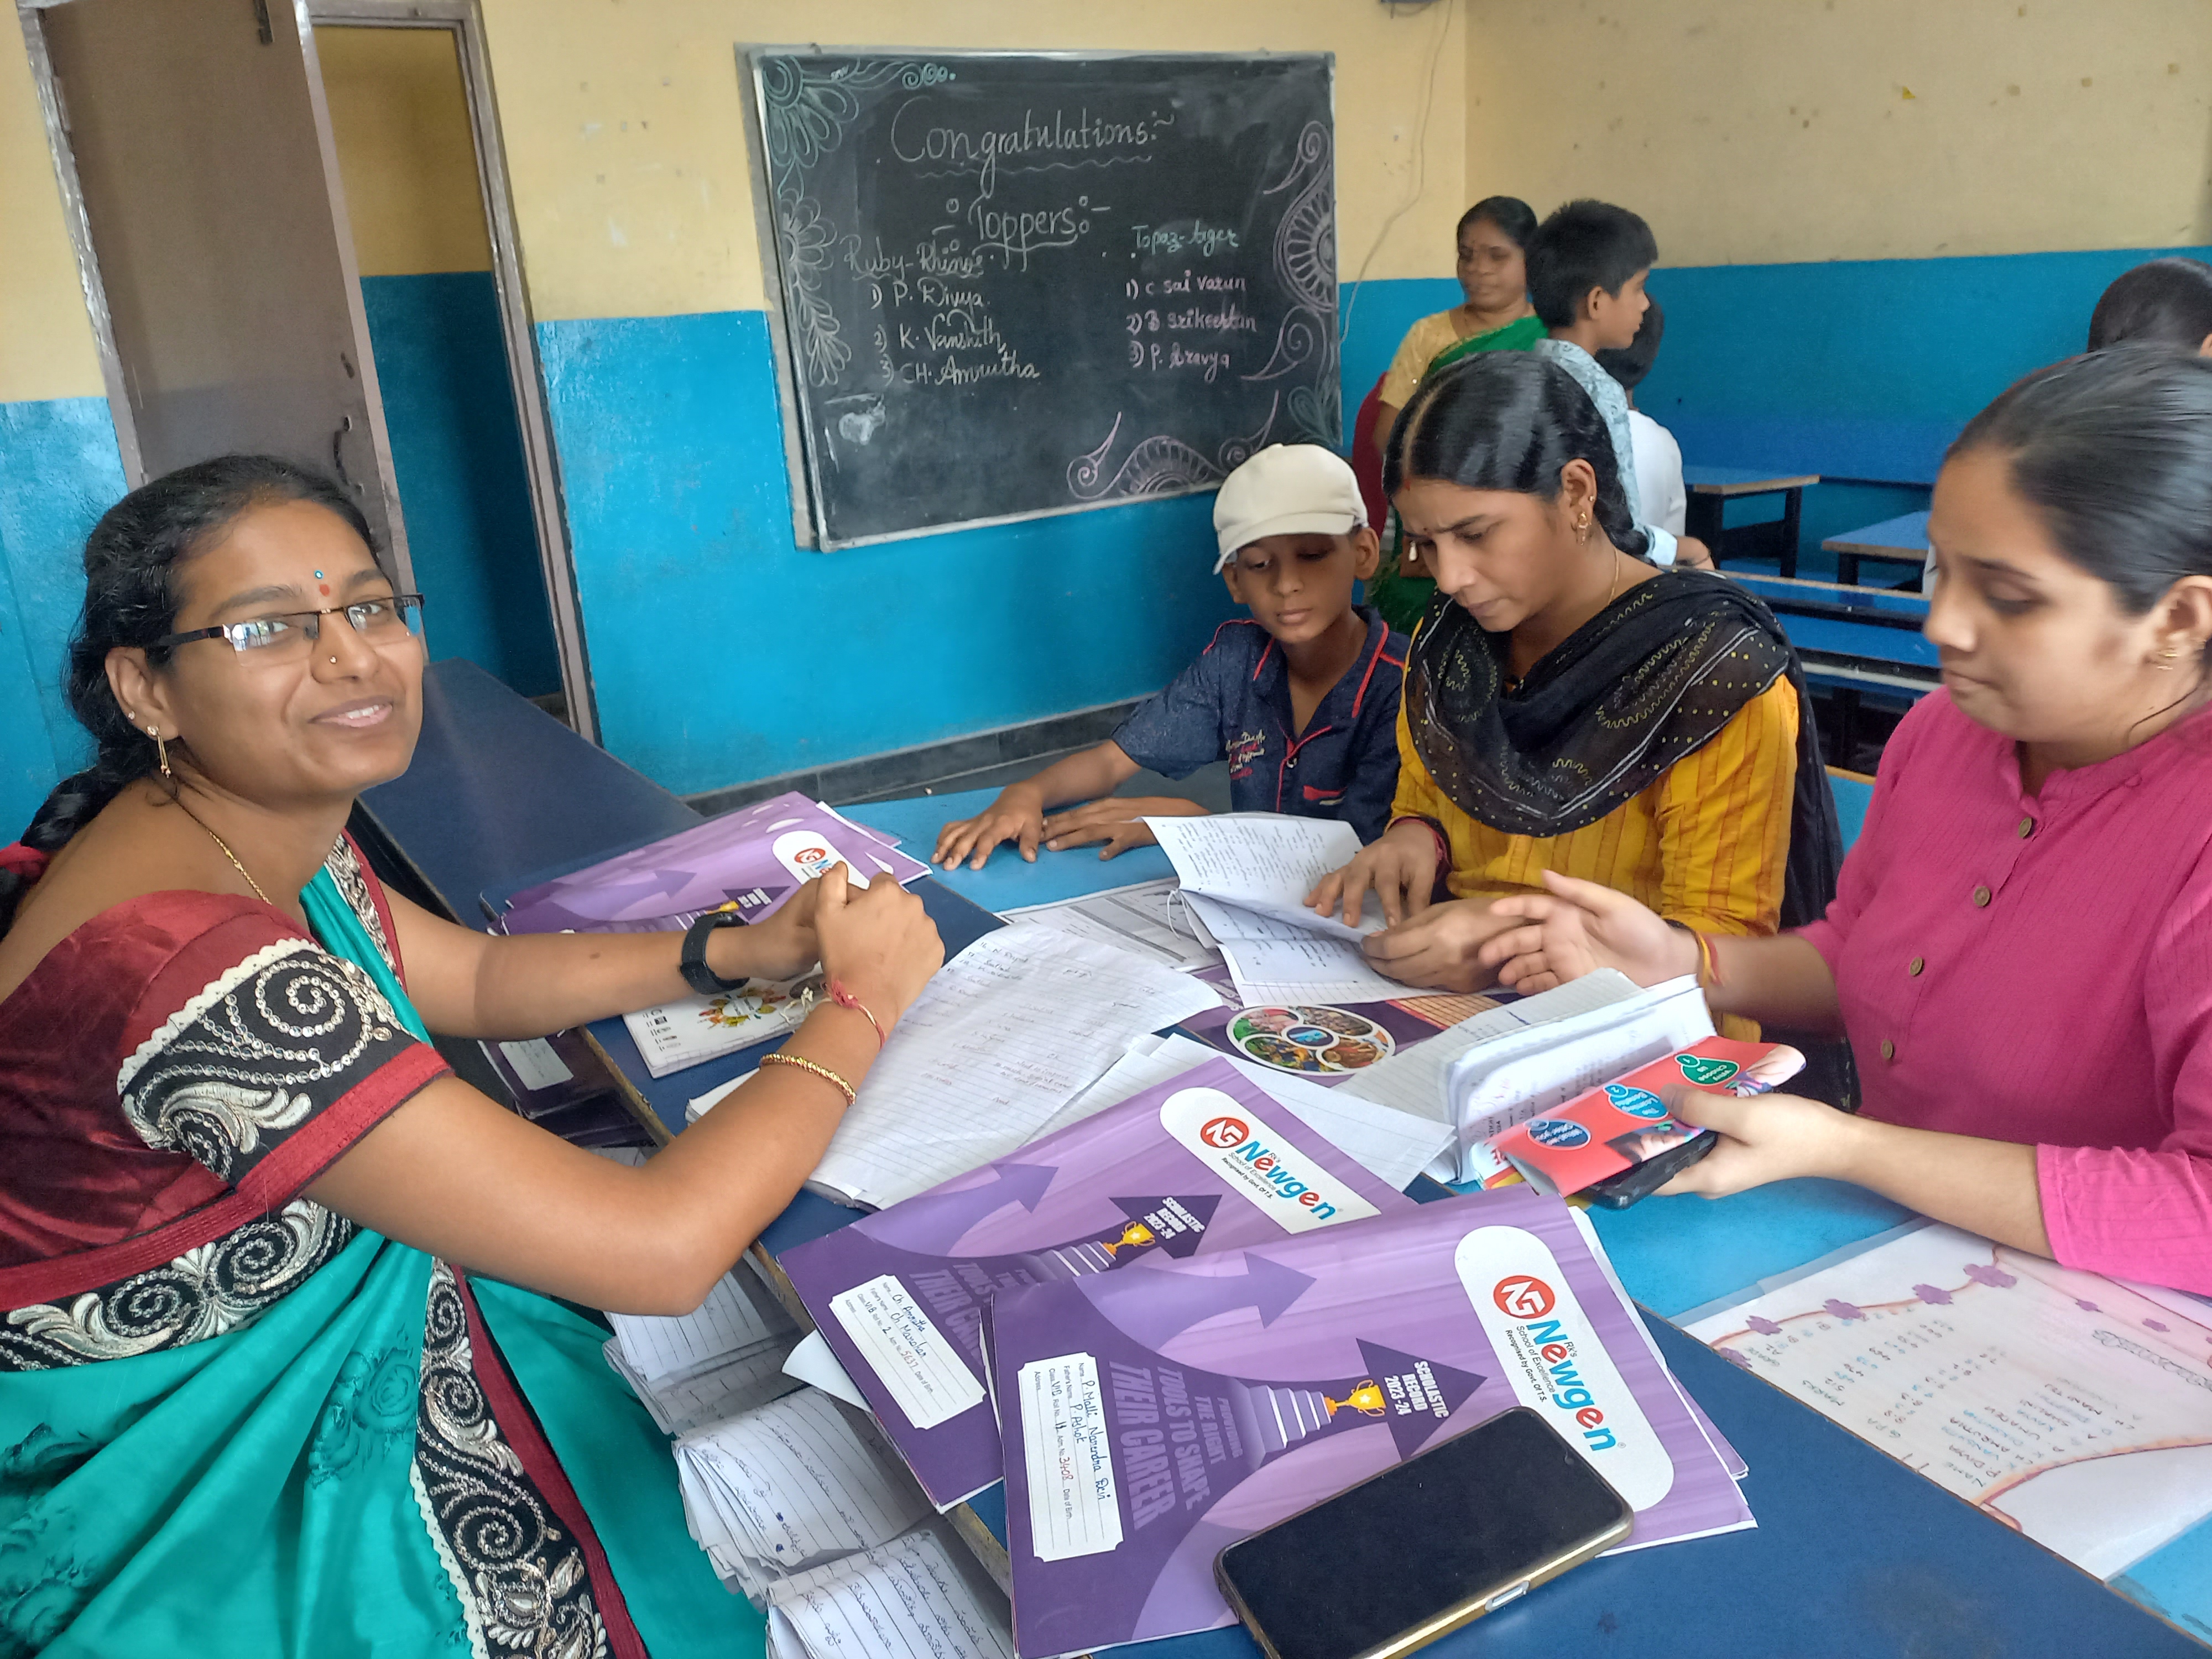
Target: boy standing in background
(1659, 497)
(1587, 267)
(1301, 699)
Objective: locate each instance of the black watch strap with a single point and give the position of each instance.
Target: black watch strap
(693, 963)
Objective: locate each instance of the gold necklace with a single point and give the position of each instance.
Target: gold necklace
(227, 853)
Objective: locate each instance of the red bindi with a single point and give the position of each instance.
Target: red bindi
(323, 588)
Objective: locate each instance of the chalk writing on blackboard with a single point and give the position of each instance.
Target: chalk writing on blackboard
(1013, 284)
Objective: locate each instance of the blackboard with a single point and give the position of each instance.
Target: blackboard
(1012, 284)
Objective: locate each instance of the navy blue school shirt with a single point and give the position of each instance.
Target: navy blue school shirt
(1234, 702)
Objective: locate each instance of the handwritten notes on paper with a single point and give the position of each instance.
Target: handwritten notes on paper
(903, 1344)
(1074, 1509)
(1005, 1035)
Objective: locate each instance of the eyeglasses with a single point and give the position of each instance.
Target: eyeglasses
(289, 633)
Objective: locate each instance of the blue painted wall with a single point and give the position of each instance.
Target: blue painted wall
(721, 652)
(456, 451)
(59, 472)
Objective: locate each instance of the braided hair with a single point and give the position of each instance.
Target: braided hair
(1509, 421)
(131, 561)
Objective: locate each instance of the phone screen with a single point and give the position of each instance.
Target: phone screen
(1472, 1516)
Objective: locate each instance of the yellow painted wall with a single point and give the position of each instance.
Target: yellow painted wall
(47, 346)
(626, 138)
(400, 117)
(1750, 130)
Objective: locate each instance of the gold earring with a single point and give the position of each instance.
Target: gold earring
(161, 750)
(2165, 663)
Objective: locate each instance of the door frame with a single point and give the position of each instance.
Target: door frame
(464, 20)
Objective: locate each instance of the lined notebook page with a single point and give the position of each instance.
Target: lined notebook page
(904, 1600)
(1003, 1037)
(797, 1482)
(728, 1322)
(1312, 969)
(1265, 862)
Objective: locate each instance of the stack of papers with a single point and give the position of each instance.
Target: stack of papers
(1150, 918)
(794, 1484)
(1502, 1067)
(1007, 1033)
(910, 1599)
(724, 1357)
(1246, 876)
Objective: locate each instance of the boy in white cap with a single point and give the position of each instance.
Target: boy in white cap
(1301, 699)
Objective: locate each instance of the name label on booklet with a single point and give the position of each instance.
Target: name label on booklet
(1074, 1509)
(914, 1360)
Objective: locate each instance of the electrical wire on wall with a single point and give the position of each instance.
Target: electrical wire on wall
(1420, 181)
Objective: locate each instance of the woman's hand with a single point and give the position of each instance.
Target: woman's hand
(1763, 1138)
(878, 942)
(1016, 815)
(1399, 868)
(1576, 928)
(782, 947)
(1114, 820)
(1441, 947)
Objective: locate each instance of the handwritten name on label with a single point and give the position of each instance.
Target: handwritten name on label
(924, 1373)
(536, 1064)
(1074, 1509)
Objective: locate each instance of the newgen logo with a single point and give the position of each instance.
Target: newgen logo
(1554, 1362)
(1281, 1182)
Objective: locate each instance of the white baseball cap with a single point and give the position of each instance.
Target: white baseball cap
(1287, 489)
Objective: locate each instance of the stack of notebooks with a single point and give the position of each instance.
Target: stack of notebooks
(1188, 1315)
(724, 1357)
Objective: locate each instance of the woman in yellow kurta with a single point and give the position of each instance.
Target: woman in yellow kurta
(1570, 707)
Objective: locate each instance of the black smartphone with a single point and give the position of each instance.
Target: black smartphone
(1415, 1552)
(1618, 1192)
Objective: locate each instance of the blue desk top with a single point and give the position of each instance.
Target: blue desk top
(1854, 1555)
(1905, 536)
(1744, 480)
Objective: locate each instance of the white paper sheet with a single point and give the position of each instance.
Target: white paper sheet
(1310, 969)
(1263, 863)
(1149, 919)
(2070, 1406)
(794, 1484)
(1008, 1033)
(1392, 1144)
(905, 1600)
(679, 1405)
(815, 1363)
(733, 1320)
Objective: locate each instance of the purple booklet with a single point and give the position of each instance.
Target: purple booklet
(1150, 1422)
(755, 858)
(1201, 1164)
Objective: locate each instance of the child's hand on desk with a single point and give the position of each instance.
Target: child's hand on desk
(1114, 820)
(1018, 816)
(1576, 928)
(1763, 1138)
(1442, 946)
(878, 943)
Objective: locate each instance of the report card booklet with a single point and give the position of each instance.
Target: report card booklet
(1198, 1164)
(1149, 1423)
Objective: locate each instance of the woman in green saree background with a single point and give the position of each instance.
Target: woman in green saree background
(1495, 315)
(280, 1368)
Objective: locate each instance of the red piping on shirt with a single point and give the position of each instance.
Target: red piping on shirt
(1262, 663)
(1289, 755)
(1360, 696)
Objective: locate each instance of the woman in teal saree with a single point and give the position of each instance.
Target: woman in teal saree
(281, 1368)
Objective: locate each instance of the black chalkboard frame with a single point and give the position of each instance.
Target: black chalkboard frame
(810, 515)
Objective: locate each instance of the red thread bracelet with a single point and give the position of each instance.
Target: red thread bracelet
(845, 999)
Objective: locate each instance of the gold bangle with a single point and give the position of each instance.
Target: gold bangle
(779, 1058)
(1709, 962)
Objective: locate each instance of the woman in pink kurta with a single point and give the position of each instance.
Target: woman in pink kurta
(2021, 945)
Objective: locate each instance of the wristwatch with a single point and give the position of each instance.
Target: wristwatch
(693, 963)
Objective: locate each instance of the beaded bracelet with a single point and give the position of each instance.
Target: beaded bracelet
(779, 1058)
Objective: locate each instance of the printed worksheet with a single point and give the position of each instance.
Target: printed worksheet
(1264, 863)
(2074, 1407)
(1150, 918)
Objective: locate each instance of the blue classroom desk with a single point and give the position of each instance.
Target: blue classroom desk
(1901, 540)
(1854, 1557)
